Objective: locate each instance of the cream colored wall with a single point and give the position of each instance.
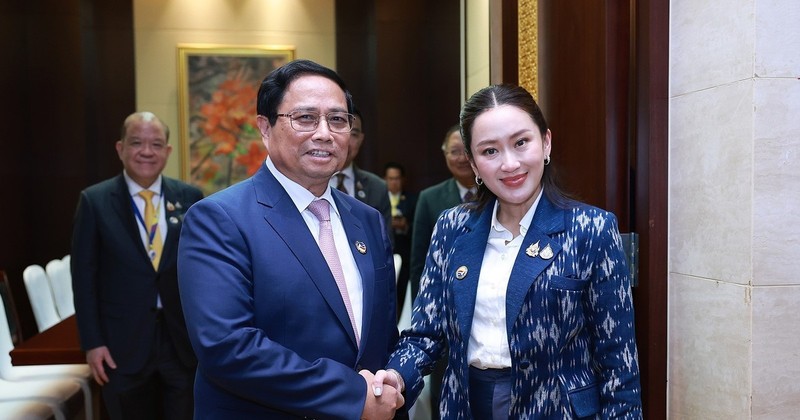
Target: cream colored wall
(160, 25)
(477, 46)
(734, 195)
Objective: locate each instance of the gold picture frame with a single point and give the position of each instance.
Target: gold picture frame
(218, 84)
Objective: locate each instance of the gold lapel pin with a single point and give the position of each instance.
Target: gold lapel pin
(547, 252)
(170, 206)
(533, 250)
(361, 247)
(461, 272)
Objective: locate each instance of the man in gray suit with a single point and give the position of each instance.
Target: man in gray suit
(363, 185)
(431, 203)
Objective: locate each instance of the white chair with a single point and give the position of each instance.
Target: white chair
(398, 262)
(53, 385)
(77, 373)
(61, 284)
(28, 410)
(41, 297)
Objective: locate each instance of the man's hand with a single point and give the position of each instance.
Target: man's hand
(382, 402)
(389, 377)
(97, 358)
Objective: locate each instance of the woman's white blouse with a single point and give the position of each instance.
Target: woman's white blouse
(488, 339)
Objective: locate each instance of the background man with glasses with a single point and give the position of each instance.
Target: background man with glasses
(363, 185)
(431, 203)
(287, 284)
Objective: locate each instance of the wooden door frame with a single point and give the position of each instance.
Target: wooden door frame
(648, 127)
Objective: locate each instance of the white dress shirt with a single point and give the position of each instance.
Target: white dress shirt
(134, 189)
(301, 198)
(158, 203)
(488, 341)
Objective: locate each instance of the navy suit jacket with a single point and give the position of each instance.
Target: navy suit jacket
(569, 316)
(264, 314)
(113, 280)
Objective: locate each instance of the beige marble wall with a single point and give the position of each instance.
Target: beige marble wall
(477, 72)
(734, 211)
(160, 25)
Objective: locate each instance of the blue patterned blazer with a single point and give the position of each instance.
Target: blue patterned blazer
(569, 316)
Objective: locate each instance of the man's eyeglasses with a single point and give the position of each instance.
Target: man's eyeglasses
(304, 121)
(456, 153)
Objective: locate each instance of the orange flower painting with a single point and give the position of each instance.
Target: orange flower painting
(221, 144)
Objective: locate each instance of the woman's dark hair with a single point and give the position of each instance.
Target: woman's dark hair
(492, 97)
(273, 87)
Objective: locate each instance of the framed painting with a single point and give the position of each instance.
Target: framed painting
(219, 139)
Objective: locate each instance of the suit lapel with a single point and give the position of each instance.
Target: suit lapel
(122, 204)
(469, 247)
(453, 196)
(282, 215)
(173, 207)
(531, 260)
(358, 185)
(356, 238)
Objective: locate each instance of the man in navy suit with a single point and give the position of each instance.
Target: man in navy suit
(275, 335)
(124, 276)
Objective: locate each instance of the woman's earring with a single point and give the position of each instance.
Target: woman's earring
(478, 180)
(546, 160)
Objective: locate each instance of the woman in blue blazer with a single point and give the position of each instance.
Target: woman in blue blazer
(527, 290)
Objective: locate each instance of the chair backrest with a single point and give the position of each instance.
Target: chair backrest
(6, 344)
(41, 297)
(12, 316)
(61, 282)
(398, 262)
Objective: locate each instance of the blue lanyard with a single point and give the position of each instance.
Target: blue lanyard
(152, 234)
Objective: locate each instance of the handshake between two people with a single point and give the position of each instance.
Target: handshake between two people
(384, 394)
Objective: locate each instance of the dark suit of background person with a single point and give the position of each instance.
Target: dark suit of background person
(431, 203)
(270, 328)
(142, 350)
(402, 224)
(434, 200)
(363, 185)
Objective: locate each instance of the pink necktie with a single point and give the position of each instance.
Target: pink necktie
(321, 210)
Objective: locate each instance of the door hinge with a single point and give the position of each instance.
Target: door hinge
(630, 243)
